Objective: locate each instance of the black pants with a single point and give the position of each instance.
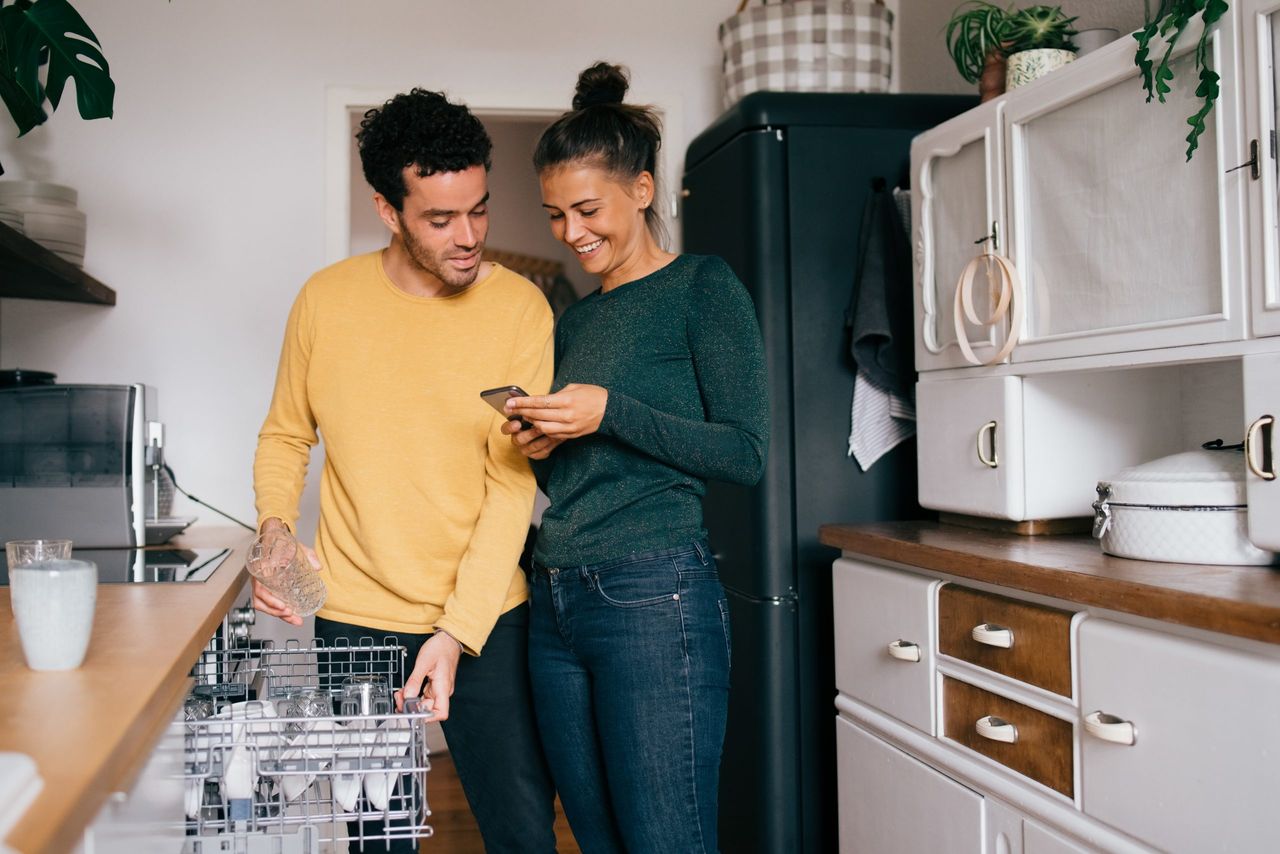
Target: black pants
(492, 737)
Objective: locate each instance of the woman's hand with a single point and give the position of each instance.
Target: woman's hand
(531, 442)
(574, 411)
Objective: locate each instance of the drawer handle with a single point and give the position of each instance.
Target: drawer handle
(997, 729)
(1110, 728)
(993, 635)
(1254, 453)
(992, 461)
(904, 650)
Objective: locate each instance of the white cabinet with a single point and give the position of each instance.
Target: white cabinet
(1038, 839)
(1121, 243)
(1262, 435)
(884, 635)
(1179, 740)
(969, 446)
(1035, 447)
(148, 819)
(958, 201)
(1261, 25)
(890, 802)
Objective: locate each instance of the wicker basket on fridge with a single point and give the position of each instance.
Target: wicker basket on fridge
(807, 46)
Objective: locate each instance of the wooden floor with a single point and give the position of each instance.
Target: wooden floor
(455, 828)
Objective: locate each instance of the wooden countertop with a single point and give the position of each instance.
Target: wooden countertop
(1235, 600)
(90, 730)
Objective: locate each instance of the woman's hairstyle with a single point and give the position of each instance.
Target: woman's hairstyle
(419, 128)
(600, 130)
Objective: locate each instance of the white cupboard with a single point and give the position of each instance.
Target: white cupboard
(891, 802)
(884, 636)
(958, 204)
(1121, 243)
(1180, 739)
(1261, 25)
(1262, 448)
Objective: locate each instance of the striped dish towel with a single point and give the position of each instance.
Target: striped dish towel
(880, 420)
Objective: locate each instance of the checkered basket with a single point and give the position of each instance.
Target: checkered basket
(807, 46)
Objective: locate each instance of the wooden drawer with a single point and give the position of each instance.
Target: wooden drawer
(884, 637)
(1042, 750)
(1040, 653)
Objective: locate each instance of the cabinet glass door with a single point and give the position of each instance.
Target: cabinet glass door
(1121, 242)
(1261, 24)
(958, 199)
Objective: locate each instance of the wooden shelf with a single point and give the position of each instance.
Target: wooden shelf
(29, 271)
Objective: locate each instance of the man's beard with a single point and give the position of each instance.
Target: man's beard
(436, 266)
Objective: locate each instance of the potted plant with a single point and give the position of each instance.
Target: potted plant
(50, 34)
(1162, 30)
(983, 37)
(1037, 40)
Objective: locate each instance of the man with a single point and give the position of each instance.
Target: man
(424, 503)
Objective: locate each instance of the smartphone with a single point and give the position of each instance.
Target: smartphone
(497, 398)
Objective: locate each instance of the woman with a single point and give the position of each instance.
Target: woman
(660, 385)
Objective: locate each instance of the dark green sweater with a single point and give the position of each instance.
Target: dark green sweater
(680, 353)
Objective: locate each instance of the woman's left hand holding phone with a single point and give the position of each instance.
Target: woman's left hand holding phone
(574, 411)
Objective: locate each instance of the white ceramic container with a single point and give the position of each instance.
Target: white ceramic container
(53, 603)
(1185, 508)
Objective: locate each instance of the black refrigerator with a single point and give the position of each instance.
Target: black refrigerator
(776, 187)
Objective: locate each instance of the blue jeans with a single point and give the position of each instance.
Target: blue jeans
(630, 667)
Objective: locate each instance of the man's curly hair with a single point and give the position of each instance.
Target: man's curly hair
(419, 128)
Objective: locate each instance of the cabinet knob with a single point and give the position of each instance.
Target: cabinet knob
(1255, 453)
(904, 650)
(997, 729)
(1110, 728)
(993, 460)
(990, 634)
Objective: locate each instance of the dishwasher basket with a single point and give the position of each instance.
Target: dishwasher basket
(257, 779)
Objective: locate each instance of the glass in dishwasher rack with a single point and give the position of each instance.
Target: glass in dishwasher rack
(275, 768)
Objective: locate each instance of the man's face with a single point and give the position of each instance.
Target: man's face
(444, 222)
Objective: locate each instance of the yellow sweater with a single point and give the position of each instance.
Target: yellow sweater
(424, 504)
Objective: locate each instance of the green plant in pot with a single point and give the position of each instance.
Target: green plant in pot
(1162, 30)
(983, 37)
(50, 36)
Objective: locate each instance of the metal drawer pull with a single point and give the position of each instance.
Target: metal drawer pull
(904, 650)
(1254, 452)
(992, 461)
(992, 635)
(997, 729)
(1110, 728)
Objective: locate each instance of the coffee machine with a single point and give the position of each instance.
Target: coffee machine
(84, 463)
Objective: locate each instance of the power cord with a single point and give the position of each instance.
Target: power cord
(191, 497)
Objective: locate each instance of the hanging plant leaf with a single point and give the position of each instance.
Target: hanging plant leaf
(74, 51)
(1172, 17)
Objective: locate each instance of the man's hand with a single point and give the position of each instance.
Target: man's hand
(574, 411)
(531, 442)
(438, 664)
(263, 599)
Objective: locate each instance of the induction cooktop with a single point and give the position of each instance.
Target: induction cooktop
(147, 566)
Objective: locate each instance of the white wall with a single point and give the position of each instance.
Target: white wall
(205, 194)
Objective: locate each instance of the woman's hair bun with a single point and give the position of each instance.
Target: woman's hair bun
(602, 83)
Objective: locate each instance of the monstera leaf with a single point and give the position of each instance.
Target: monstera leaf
(33, 32)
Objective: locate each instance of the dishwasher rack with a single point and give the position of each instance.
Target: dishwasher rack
(257, 780)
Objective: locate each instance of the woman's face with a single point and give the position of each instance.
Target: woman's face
(600, 217)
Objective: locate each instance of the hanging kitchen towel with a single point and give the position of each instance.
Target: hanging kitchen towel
(880, 420)
(879, 321)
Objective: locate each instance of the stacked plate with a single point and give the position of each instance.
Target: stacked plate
(49, 216)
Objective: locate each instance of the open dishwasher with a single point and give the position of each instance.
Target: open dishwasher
(290, 749)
